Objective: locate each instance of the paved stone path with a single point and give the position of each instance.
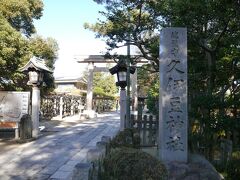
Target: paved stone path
(54, 156)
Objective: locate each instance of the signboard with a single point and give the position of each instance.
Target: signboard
(13, 105)
(173, 116)
(8, 125)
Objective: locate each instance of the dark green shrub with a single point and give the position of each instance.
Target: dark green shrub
(233, 166)
(236, 155)
(126, 138)
(131, 164)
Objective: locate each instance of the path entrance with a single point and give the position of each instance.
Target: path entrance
(54, 156)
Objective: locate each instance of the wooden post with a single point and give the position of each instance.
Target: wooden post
(61, 107)
(144, 129)
(72, 106)
(150, 130)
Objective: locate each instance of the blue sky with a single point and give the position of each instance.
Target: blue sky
(63, 20)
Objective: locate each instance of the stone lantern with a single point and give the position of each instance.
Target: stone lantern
(121, 70)
(35, 68)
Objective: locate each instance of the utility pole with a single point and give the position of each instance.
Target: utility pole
(128, 116)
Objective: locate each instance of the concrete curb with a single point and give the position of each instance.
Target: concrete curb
(83, 171)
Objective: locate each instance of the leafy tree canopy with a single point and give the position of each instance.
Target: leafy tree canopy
(133, 22)
(104, 84)
(17, 45)
(20, 14)
(13, 51)
(47, 50)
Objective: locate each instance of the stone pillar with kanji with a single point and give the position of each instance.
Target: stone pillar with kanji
(173, 114)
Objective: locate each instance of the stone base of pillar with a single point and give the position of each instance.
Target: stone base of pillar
(90, 113)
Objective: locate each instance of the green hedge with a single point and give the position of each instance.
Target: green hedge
(124, 160)
(131, 164)
(126, 138)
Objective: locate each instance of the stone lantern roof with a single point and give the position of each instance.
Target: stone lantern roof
(37, 64)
